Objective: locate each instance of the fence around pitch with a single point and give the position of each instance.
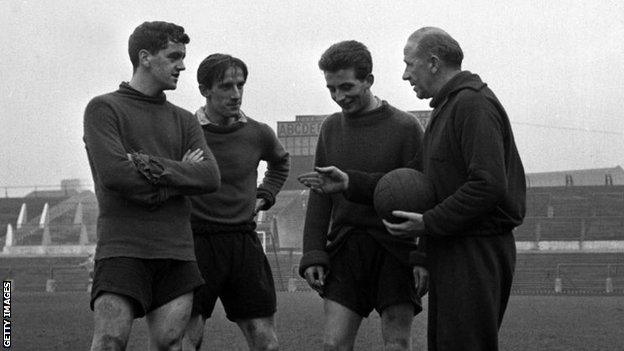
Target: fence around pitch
(590, 278)
(589, 228)
(567, 279)
(46, 278)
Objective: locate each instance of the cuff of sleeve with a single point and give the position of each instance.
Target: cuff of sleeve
(313, 258)
(268, 198)
(428, 221)
(417, 258)
(361, 187)
(352, 189)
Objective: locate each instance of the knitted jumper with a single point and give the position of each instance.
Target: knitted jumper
(140, 216)
(238, 149)
(375, 141)
(472, 159)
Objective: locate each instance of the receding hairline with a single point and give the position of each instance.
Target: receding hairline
(423, 32)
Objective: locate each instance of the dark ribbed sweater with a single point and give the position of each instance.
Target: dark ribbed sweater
(141, 217)
(376, 141)
(239, 148)
(470, 155)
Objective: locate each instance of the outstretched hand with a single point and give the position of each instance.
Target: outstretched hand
(413, 226)
(325, 180)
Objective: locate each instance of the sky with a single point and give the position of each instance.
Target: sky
(556, 66)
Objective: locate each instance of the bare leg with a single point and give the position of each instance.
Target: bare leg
(112, 322)
(166, 324)
(194, 333)
(341, 326)
(259, 333)
(396, 325)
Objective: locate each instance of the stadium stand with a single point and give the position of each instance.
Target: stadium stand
(61, 221)
(10, 208)
(580, 272)
(285, 219)
(571, 242)
(32, 273)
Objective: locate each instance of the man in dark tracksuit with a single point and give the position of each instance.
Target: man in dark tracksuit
(470, 155)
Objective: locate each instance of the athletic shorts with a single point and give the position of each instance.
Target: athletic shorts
(363, 276)
(237, 271)
(148, 283)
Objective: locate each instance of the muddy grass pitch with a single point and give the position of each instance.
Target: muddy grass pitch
(63, 321)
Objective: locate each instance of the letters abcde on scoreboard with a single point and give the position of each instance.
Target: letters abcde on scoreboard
(298, 128)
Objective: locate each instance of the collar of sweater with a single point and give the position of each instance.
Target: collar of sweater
(369, 117)
(206, 123)
(126, 90)
(462, 80)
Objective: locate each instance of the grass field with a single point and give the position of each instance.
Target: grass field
(63, 321)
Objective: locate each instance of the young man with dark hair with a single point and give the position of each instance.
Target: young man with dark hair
(229, 253)
(470, 155)
(348, 256)
(146, 155)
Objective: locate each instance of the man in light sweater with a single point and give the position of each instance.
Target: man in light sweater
(229, 252)
(348, 256)
(146, 155)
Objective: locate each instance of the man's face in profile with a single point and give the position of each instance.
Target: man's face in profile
(165, 65)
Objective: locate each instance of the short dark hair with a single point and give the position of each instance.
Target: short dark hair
(432, 40)
(212, 69)
(345, 55)
(153, 37)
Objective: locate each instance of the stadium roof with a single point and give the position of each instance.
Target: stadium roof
(595, 176)
(53, 193)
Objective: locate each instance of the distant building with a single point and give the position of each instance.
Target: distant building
(580, 177)
(69, 187)
(300, 136)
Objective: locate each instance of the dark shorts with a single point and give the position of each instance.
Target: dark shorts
(149, 283)
(363, 276)
(237, 271)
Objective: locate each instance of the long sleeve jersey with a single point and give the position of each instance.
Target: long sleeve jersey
(471, 157)
(376, 141)
(239, 148)
(139, 216)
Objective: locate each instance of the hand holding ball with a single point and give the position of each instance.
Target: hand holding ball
(403, 189)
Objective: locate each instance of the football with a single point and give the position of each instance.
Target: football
(403, 189)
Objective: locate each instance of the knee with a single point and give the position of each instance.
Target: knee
(396, 324)
(271, 345)
(193, 335)
(332, 343)
(260, 334)
(112, 323)
(170, 340)
(108, 342)
(264, 341)
(397, 344)
(191, 342)
(398, 317)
